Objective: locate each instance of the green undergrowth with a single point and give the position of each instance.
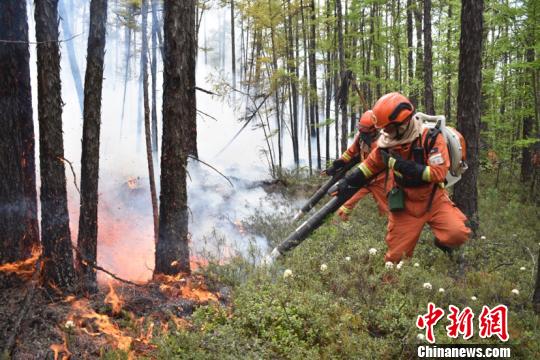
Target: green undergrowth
(356, 307)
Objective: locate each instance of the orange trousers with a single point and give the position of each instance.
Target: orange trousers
(447, 223)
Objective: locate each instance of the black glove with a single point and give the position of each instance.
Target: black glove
(409, 168)
(337, 165)
(343, 191)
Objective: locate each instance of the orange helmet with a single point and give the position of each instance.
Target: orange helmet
(392, 108)
(365, 124)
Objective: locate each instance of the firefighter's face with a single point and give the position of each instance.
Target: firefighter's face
(393, 130)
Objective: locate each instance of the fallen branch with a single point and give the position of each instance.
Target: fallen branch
(211, 167)
(97, 267)
(73, 172)
(10, 344)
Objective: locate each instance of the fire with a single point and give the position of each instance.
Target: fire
(240, 227)
(133, 183)
(61, 349)
(114, 300)
(190, 288)
(23, 268)
(95, 324)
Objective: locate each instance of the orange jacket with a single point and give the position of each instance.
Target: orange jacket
(437, 164)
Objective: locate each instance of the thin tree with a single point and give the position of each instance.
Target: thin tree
(93, 86)
(341, 51)
(179, 113)
(410, 63)
(536, 294)
(314, 102)
(153, 70)
(55, 234)
(147, 130)
(233, 46)
(468, 103)
(18, 212)
(428, 60)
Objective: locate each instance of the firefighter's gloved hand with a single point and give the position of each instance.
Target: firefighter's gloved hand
(337, 165)
(344, 191)
(408, 168)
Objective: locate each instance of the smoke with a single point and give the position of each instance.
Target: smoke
(125, 236)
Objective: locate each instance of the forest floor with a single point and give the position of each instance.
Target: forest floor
(353, 307)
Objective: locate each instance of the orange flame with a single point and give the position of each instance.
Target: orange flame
(23, 268)
(61, 349)
(189, 288)
(84, 316)
(114, 300)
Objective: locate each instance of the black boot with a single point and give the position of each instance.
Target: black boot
(445, 249)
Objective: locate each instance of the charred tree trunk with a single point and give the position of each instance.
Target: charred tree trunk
(468, 106)
(147, 130)
(18, 199)
(179, 115)
(153, 70)
(55, 233)
(428, 60)
(93, 84)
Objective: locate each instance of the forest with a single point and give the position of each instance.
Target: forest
(185, 179)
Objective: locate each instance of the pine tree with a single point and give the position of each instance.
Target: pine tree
(55, 234)
(93, 86)
(179, 113)
(18, 199)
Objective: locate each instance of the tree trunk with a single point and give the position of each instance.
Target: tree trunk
(153, 70)
(18, 212)
(88, 219)
(314, 98)
(536, 294)
(126, 70)
(468, 106)
(341, 51)
(328, 82)
(179, 115)
(76, 73)
(233, 50)
(428, 61)
(55, 233)
(448, 98)
(410, 63)
(147, 130)
(416, 97)
(526, 153)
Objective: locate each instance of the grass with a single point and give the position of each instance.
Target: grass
(358, 308)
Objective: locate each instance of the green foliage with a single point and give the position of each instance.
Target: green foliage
(357, 307)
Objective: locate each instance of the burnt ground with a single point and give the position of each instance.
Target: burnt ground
(87, 327)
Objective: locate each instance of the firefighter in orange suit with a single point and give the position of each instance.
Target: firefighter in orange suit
(416, 162)
(364, 141)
